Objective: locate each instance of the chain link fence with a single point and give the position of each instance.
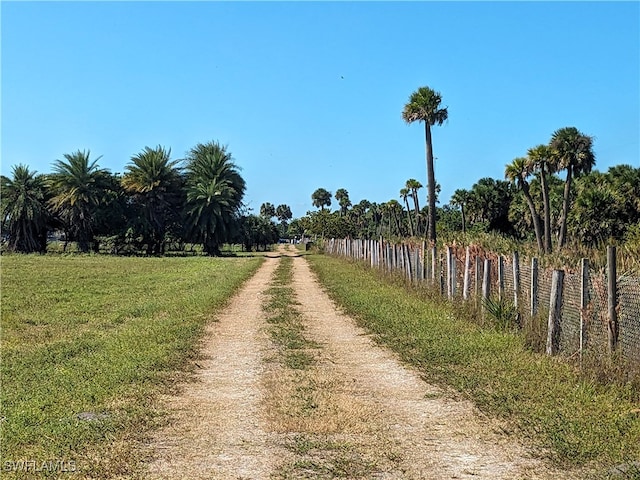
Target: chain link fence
(584, 317)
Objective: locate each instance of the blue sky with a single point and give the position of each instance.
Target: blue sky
(310, 94)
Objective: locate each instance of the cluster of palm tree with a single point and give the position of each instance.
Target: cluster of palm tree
(570, 150)
(365, 219)
(157, 199)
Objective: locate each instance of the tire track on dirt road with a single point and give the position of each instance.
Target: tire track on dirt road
(432, 436)
(216, 429)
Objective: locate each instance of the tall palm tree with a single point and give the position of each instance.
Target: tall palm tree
(414, 185)
(342, 196)
(215, 190)
(24, 210)
(78, 187)
(460, 198)
(424, 106)
(404, 194)
(517, 172)
(539, 159)
(321, 198)
(154, 181)
(572, 151)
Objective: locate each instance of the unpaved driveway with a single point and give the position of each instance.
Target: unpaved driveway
(216, 429)
(378, 411)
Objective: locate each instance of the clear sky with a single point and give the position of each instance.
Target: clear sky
(310, 94)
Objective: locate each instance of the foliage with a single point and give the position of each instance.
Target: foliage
(153, 180)
(214, 196)
(571, 150)
(503, 313)
(256, 232)
(77, 188)
(321, 198)
(267, 210)
(25, 217)
(342, 196)
(424, 106)
(323, 223)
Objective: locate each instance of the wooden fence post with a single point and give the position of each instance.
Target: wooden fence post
(449, 273)
(612, 299)
(423, 252)
(500, 278)
(454, 275)
(486, 281)
(434, 265)
(476, 280)
(584, 300)
(442, 275)
(516, 280)
(534, 287)
(467, 274)
(555, 312)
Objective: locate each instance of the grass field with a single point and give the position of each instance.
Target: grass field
(87, 344)
(575, 421)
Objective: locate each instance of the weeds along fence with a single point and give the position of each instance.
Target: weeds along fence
(583, 310)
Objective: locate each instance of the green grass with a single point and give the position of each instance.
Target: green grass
(578, 422)
(286, 328)
(102, 335)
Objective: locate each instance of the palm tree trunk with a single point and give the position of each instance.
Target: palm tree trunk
(464, 219)
(416, 209)
(534, 217)
(406, 203)
(565, 208)
(547, 210)
(431, 184)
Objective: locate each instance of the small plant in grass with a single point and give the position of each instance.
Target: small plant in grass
(503, 313)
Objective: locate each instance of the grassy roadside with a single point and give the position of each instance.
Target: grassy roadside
(579, 423)
(87, 342)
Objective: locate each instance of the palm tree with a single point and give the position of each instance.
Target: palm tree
(517, 172)
(424, 106)
(342, 196)
(539, 159)
(321, 198)
(572, 151)
(154, 181)
(283, 213)
(414, 185)
(214, 196)
(78, 186)
(267, 210)
(24, 210)
(404, 194)
(460, 198)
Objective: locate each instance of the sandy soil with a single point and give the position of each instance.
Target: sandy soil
(216, 429)
(222, 426)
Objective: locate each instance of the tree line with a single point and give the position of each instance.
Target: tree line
(531, 202)
(603, 207)
(198, 200)
(156, 201)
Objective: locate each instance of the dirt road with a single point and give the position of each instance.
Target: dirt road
(366, 414)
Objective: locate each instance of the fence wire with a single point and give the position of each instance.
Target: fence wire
(580, 328)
